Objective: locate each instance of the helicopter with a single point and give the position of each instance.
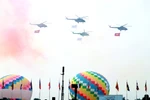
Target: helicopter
(82, 33)
(78, 20)
(121, 28)
(41, 24)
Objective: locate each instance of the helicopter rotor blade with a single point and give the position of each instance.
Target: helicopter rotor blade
(48, 23)
(77, 16)
(118, 25)
(44, 21)
(89, 31)
(84, 17)
(124, 25)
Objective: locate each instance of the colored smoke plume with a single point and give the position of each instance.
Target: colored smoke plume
(15, 35)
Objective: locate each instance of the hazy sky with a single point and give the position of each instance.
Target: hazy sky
(117, 58)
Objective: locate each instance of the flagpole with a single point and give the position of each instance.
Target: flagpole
(136, 94)
(21, 94)
(145, 87)
(21, 90)
(136, 89)
(12, 88)
(126, 95)
(49, 94)
(62, 86)
(11, 94)
(39, 88)
(117, 95)
(49, 89)
(116, 92)
(68, 93)
(1, 92)
(31, 88)
(126, 90)
(39, 93)
(117, 87)
(69, 90)
(59, 90)
(58, 94)
(3, 87)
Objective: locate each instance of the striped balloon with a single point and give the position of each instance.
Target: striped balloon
(92, 85)
(17, 81)
(21, 86)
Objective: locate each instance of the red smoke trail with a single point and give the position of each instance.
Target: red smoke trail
(15, 36)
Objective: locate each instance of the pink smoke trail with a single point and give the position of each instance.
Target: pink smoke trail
(15, 36)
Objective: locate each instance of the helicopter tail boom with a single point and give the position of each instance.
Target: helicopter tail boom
(69, 18)
(33, 24)
(75, 33)
(112, 27)
(109, 26)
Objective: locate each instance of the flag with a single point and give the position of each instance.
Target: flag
(39, 83)
(30, 86)
(20, 86)
(59, 85)
(12, 85)
(49, 85)
(3, 85)
(79, 85)
(146, 86)
(137, 86)
(117, 34)
(128, 89)
(88, 85)
(37, 31)
(69, 85)
(117, 86)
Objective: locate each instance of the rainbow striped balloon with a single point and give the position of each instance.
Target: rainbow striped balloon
(17, 81)
(21, 87)
(92, 85)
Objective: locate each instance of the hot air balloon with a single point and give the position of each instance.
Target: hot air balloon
(92, 85)
(15, 87)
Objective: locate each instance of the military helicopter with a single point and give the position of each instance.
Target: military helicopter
(78, 20)
(82, 33)
(41, 24)
(121, 28)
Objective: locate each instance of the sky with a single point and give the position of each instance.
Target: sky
(43, 55)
